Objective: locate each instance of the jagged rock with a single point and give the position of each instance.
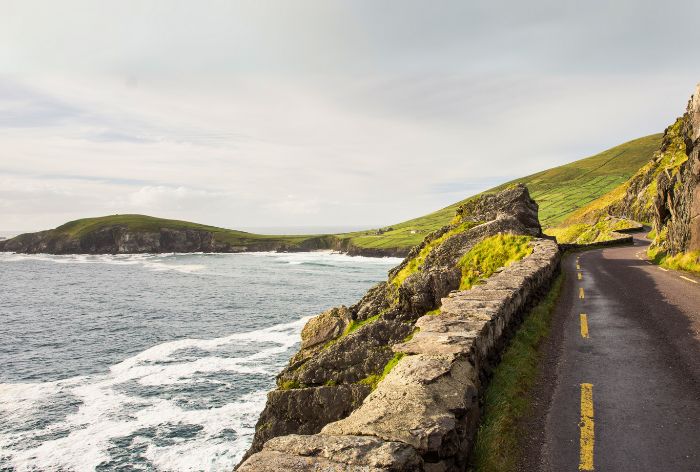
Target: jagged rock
(320, 330)
(352, 358)
(514, 202)
(288, 411)
(429, 399)
(333, 453)
(667, 194)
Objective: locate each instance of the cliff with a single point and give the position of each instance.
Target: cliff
(676, 201)
(663, 193)
(393, 382)
(130, 234)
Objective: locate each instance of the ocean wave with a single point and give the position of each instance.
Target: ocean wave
(174, 261)
(108, 414)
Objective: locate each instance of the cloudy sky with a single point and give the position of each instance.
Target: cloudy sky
(325, 113)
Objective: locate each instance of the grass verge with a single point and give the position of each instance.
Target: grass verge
(687, 261)
(506, 400)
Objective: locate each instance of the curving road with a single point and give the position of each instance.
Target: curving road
(620, 388)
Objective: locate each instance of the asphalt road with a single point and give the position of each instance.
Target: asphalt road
(627, 396)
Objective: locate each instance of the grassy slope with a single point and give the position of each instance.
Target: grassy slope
(559, 192)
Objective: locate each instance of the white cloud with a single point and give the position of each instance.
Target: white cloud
(363, 112)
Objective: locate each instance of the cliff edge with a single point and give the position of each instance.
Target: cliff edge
(393, 382)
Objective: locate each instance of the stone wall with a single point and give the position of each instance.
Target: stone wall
(424, 414)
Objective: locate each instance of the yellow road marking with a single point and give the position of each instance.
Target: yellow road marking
(587, 428)
(689, 280)
(578, 267)
(584, 325)
(580, 293)
(580, 275)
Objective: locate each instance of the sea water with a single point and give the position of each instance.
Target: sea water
(153, 362)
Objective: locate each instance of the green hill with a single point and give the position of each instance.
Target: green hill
(82, 227)
(559, 191)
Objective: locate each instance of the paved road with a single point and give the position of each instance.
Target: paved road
(627, 397)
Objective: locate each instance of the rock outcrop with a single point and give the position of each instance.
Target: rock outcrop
(120, 239)
(665, 192)
(405, 382)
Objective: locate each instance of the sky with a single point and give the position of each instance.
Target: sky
(254, 114)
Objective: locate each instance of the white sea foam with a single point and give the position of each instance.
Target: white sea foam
(108, 412)
(173, 261)
(327, 257)
(153, 262)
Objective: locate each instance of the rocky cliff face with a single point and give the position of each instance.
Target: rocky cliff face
(119, 239)
(665, 192)
(347, 351)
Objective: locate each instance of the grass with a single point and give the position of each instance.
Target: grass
(355, 324)
(584, 233)
(507, 400)
(374, 379)
(416, 263)
(82, 227)
(491, 254)
(289, 385)
(687, 261)
(559, 191)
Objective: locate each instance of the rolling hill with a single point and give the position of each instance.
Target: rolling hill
(559, 191)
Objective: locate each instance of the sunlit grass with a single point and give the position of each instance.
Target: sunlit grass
(687, 261)
(491, 254)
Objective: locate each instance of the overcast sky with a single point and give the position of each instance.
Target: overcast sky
(290, 113)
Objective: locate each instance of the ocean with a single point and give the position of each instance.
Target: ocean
(153, 362)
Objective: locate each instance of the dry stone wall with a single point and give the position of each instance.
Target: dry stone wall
(424, 414)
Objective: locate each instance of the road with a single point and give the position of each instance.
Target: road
(620, 387)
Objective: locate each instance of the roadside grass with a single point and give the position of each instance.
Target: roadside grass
(686, 261)
(507, 399)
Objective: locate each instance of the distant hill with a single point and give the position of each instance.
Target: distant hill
(559, 191)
